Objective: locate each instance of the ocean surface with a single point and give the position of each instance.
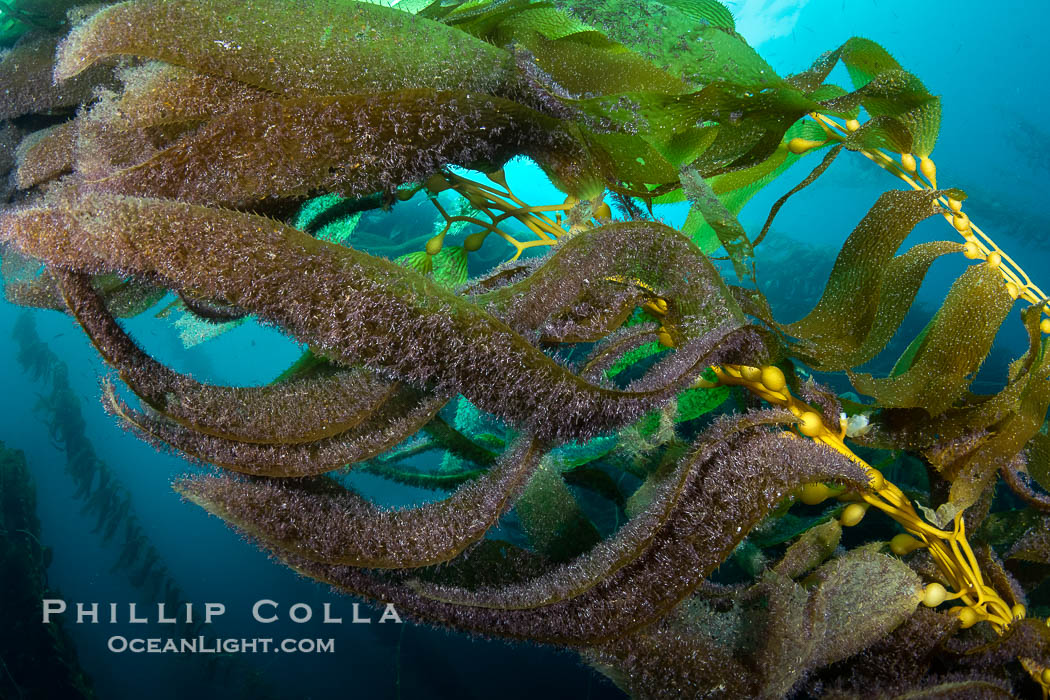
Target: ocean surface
(987, 61)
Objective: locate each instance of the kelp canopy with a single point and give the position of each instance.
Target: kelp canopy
(211, 149)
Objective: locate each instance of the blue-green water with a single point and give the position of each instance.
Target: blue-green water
(987, 62)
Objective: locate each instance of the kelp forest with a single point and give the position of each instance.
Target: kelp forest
(630, 455)
(105, 499)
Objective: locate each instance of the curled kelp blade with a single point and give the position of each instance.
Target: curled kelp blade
(365, 310)
(307, 47)
(356, 145)
(294, 411)
(736, 488)
(956, 345)
(654, 261)
(664, 493)
(916, 429)
(325, 522)
(869, 290)
(399, 417)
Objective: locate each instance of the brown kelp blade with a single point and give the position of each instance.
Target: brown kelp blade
(307, 47)
(45, 154)
(325, 522)
(364, 310)
(734, 491)
(294, 411)
(627, 545)
(399, 417)
(353, 144)
(955, 346)
(26, 84)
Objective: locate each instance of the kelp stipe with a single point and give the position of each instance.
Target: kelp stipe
(599, 366)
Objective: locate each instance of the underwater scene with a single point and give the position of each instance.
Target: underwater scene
(583, 349)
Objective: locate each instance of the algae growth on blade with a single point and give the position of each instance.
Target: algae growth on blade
(640, 333)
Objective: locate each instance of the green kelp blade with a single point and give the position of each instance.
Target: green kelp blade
(450, 266)
(865, 59)
(672, 35)
(869, 290)
(588, 63)
(729, 231)
(905, 117)
(955, 347)
(726, 56)
(720, 128)
(903, 363)
(418, 260)
(301, 48)
(551, 517)
(710, 11)
(902, 105)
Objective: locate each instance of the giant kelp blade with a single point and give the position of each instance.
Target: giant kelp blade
(554, 522)
(669, 565)
(869, 291)
(356, 145)
(327, 523)
(25, 80)
(669, 569)
(300, 48)
(402, 415)
(972, 474)
(391, 319)
(729, 231)
(45, 154)
(915, 429)
(676, 656)
(859, 598)
(710, 11)
(663, 492)
(955, 346)
(294, 411)
(158, 94)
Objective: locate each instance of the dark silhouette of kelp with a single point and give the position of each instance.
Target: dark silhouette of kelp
(36, 661)
(104, 497)
(107, 500)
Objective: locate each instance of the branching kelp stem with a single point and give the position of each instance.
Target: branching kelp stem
(949, 550)
(978, 244)
(489, 200)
